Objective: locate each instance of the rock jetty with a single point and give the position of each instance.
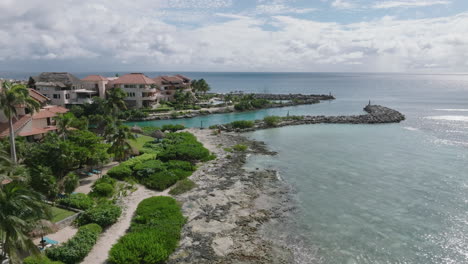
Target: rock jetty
(376, 114)
(285, 97)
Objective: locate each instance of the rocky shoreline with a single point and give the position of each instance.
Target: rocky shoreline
(376, 114)
(294, 100)
(228, 208)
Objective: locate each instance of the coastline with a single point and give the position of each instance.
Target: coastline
(229, 207)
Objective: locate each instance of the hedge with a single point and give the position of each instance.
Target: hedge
(182, 187)
(154, 233)
(104, 215)
(172, 128)
(131, 163)
(77, 200)
(145, 169)
(75, 250)
(39, 259)
(161, 180)
(102, 190)
(120, 172)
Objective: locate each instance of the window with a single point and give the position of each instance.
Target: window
(56, 96)
(130, 94)
(142, 86)
(130, 86)
(67, 96)
(96, 86)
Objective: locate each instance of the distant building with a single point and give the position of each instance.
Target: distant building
(141, 90)
(168, 85)
(96, 82)
(35, 126)
(63, 88)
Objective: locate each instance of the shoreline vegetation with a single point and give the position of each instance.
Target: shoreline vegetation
(238, 103)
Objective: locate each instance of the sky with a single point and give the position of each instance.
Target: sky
(234, 35)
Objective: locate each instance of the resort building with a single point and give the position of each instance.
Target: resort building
(34, 126)
(63, 88)
(168, 85)
(97, 83)
(141, 90)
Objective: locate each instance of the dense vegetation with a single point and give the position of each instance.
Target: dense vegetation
(75, 250)
(242, 124)
(154, 233)
(182, 186)
(249, 102)
(173, 160)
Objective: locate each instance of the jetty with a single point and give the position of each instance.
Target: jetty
(376, 114)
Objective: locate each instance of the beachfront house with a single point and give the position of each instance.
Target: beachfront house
(34, 126)
(97, 83)
(168, 85)
(141, 91)
(63, 88)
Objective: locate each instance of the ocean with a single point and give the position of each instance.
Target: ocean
(393, 193)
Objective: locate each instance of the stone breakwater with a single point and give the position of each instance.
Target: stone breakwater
(292, 100)
(319, 97)
(376, 114)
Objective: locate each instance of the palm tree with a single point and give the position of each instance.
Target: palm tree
(21, 208)
(119, 142)
(63, 123)
(115, 100)
(9, 171)
(12, 96)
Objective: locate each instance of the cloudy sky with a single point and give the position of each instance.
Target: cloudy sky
(234, 35)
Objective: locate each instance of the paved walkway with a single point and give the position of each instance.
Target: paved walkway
(86, 183)
(61, 236)
(100, 251)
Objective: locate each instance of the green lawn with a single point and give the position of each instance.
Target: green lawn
(59, 214)
(140, 141)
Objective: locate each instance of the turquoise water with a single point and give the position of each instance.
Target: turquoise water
(392, 193)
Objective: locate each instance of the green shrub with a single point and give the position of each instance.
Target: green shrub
(242, 124)
(104, 215)
(120, 172)
(105, 179)
(154, 233)
(71, 182)
(182, 187)
(145, 169)
(75, 250)
(239, 147)
(139, 248)
(131, 163)
(179, 164)
(172, 128)
(102, 190)
(161, 180)
(77, 200)
(271, 120)
(39, 259)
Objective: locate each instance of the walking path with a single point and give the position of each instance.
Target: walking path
(86, 183)
(100, 251)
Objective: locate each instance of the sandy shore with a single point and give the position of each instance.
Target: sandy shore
(226, 212)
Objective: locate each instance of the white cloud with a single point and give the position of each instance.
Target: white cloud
(104, 33)
(409, 3)
(343, 4)
(272, 9)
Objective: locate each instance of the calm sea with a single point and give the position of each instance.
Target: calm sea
(394, 193)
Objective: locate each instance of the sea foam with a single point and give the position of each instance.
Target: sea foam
(453, 110)
(449, 118)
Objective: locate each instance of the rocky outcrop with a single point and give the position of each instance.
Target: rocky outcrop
(376, 114)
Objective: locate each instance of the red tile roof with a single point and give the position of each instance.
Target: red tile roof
(133, 78)
(37, 131)
(49, 111)
(95, 78)
(38, 96)
(17, 125)
(183, 77)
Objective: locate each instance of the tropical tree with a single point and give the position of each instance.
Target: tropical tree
(9, 171)
(64, 123)
(120, 146)
(201, 86)
(12, 96)
(21, 207)
(115, 100)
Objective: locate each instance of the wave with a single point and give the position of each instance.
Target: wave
(411, 128)
(451, 142)
(449, 118)
(452, 110)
